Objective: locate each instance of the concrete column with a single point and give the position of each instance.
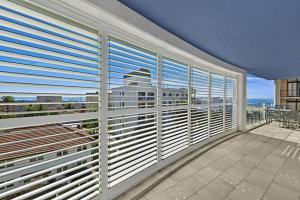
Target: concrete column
(242, 100)
(277, 88)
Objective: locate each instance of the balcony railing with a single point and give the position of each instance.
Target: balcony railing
(290, 93)
(256, 115)
(71, 125)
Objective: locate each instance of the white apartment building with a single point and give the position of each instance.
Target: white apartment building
(144, 95)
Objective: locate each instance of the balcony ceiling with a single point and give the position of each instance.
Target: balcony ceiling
(262, 37)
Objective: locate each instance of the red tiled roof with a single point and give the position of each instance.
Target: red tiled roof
(36, 140)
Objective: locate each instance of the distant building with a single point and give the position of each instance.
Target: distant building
(50, 99)
(92, 97)
(138, 91)
(287, 93)
(47, 145)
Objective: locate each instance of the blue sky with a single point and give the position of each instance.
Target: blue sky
(258, 88)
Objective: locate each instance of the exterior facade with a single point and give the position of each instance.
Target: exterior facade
(287, 93)
(50, 99)
(144, 95)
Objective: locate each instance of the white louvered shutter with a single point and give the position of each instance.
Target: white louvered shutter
(49, 90)
(132, 122)
(199, 107)
(217, 103)
(175, 113)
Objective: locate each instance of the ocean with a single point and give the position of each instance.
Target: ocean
(261, 101)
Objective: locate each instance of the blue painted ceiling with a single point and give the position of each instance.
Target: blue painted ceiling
(262, 36)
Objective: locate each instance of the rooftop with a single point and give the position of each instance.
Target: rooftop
(142, 72)
(21, 142)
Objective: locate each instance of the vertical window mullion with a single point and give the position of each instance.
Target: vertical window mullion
(159, 105)
(224, 104)
(209, 103)
(103, 116)
(189, 103)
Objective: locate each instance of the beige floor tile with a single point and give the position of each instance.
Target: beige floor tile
(235, 174)
(200, 162)
(219, 187)
(164, 185)
(207, 195)
(188, 186)
(277, 192)
(183, 172)
(235, 155)
(289, 179)
(166, 196)
(260, 178)
(207, 174)
(222, 164)
(246, 191)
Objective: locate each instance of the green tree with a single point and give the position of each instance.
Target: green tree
(32, 108)
(89, 125)
(68, 106)
(7, 107)
(8, 99)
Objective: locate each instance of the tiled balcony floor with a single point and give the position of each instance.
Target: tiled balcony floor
(247, 167)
